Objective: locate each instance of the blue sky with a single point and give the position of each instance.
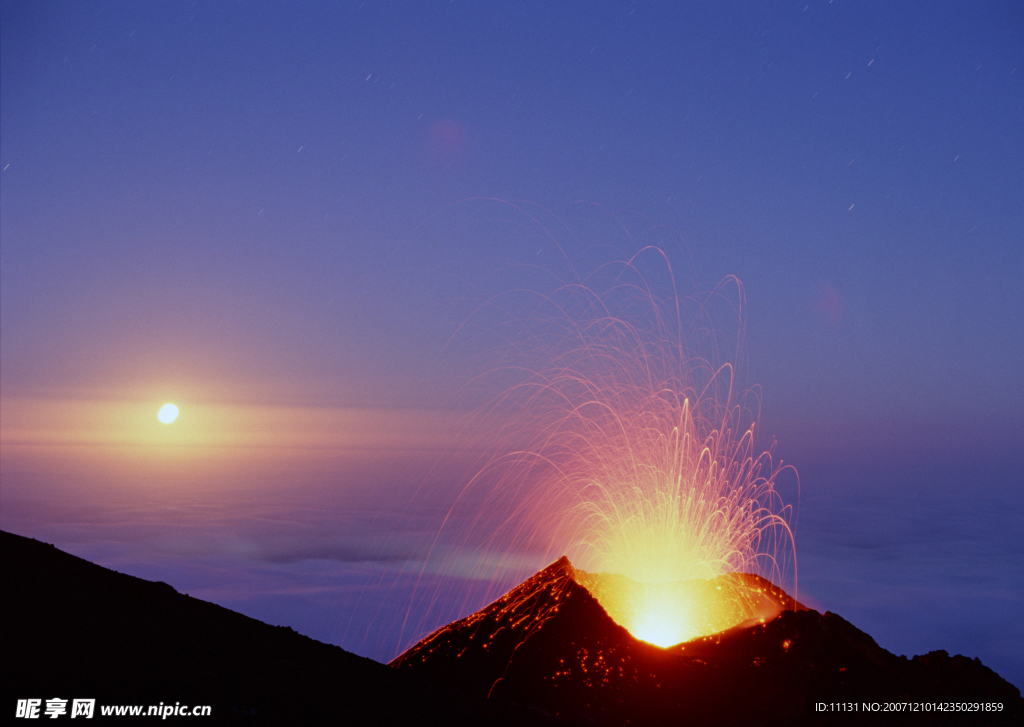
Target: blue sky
(269, 204)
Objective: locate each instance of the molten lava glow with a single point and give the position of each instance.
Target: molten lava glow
(670, 613)
(663, 623)
(689, 503)
(639, 460)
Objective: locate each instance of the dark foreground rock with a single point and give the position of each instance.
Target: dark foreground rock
(72, 629)
(548, 644)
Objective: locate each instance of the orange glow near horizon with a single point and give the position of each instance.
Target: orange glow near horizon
(110, 451)
(127, 428)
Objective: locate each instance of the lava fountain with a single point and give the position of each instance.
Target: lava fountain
(624, 449)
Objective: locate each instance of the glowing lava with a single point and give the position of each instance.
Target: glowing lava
(637, 459)
(689, 504)
(670, 613)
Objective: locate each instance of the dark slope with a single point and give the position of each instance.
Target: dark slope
(549, 644)
(72, 629)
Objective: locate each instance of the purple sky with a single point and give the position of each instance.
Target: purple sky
(268, 212)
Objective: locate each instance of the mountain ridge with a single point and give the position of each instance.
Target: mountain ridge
(549, 644)
(73, 629)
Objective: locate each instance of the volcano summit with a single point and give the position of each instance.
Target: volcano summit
(549, 644)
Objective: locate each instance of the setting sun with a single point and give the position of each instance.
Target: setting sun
(168, 413)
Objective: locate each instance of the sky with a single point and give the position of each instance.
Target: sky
(280, 216)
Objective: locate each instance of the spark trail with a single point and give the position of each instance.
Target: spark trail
(621, 447)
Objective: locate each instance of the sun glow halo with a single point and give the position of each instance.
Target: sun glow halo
(168, 413)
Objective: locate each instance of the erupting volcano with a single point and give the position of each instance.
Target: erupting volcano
(637, 460)
(670, 508)
(621, 447)
(670, 613)
(549, 645)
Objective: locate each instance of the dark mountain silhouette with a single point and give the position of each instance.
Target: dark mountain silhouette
(72, 629)
(547, 652)
(549, 644)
